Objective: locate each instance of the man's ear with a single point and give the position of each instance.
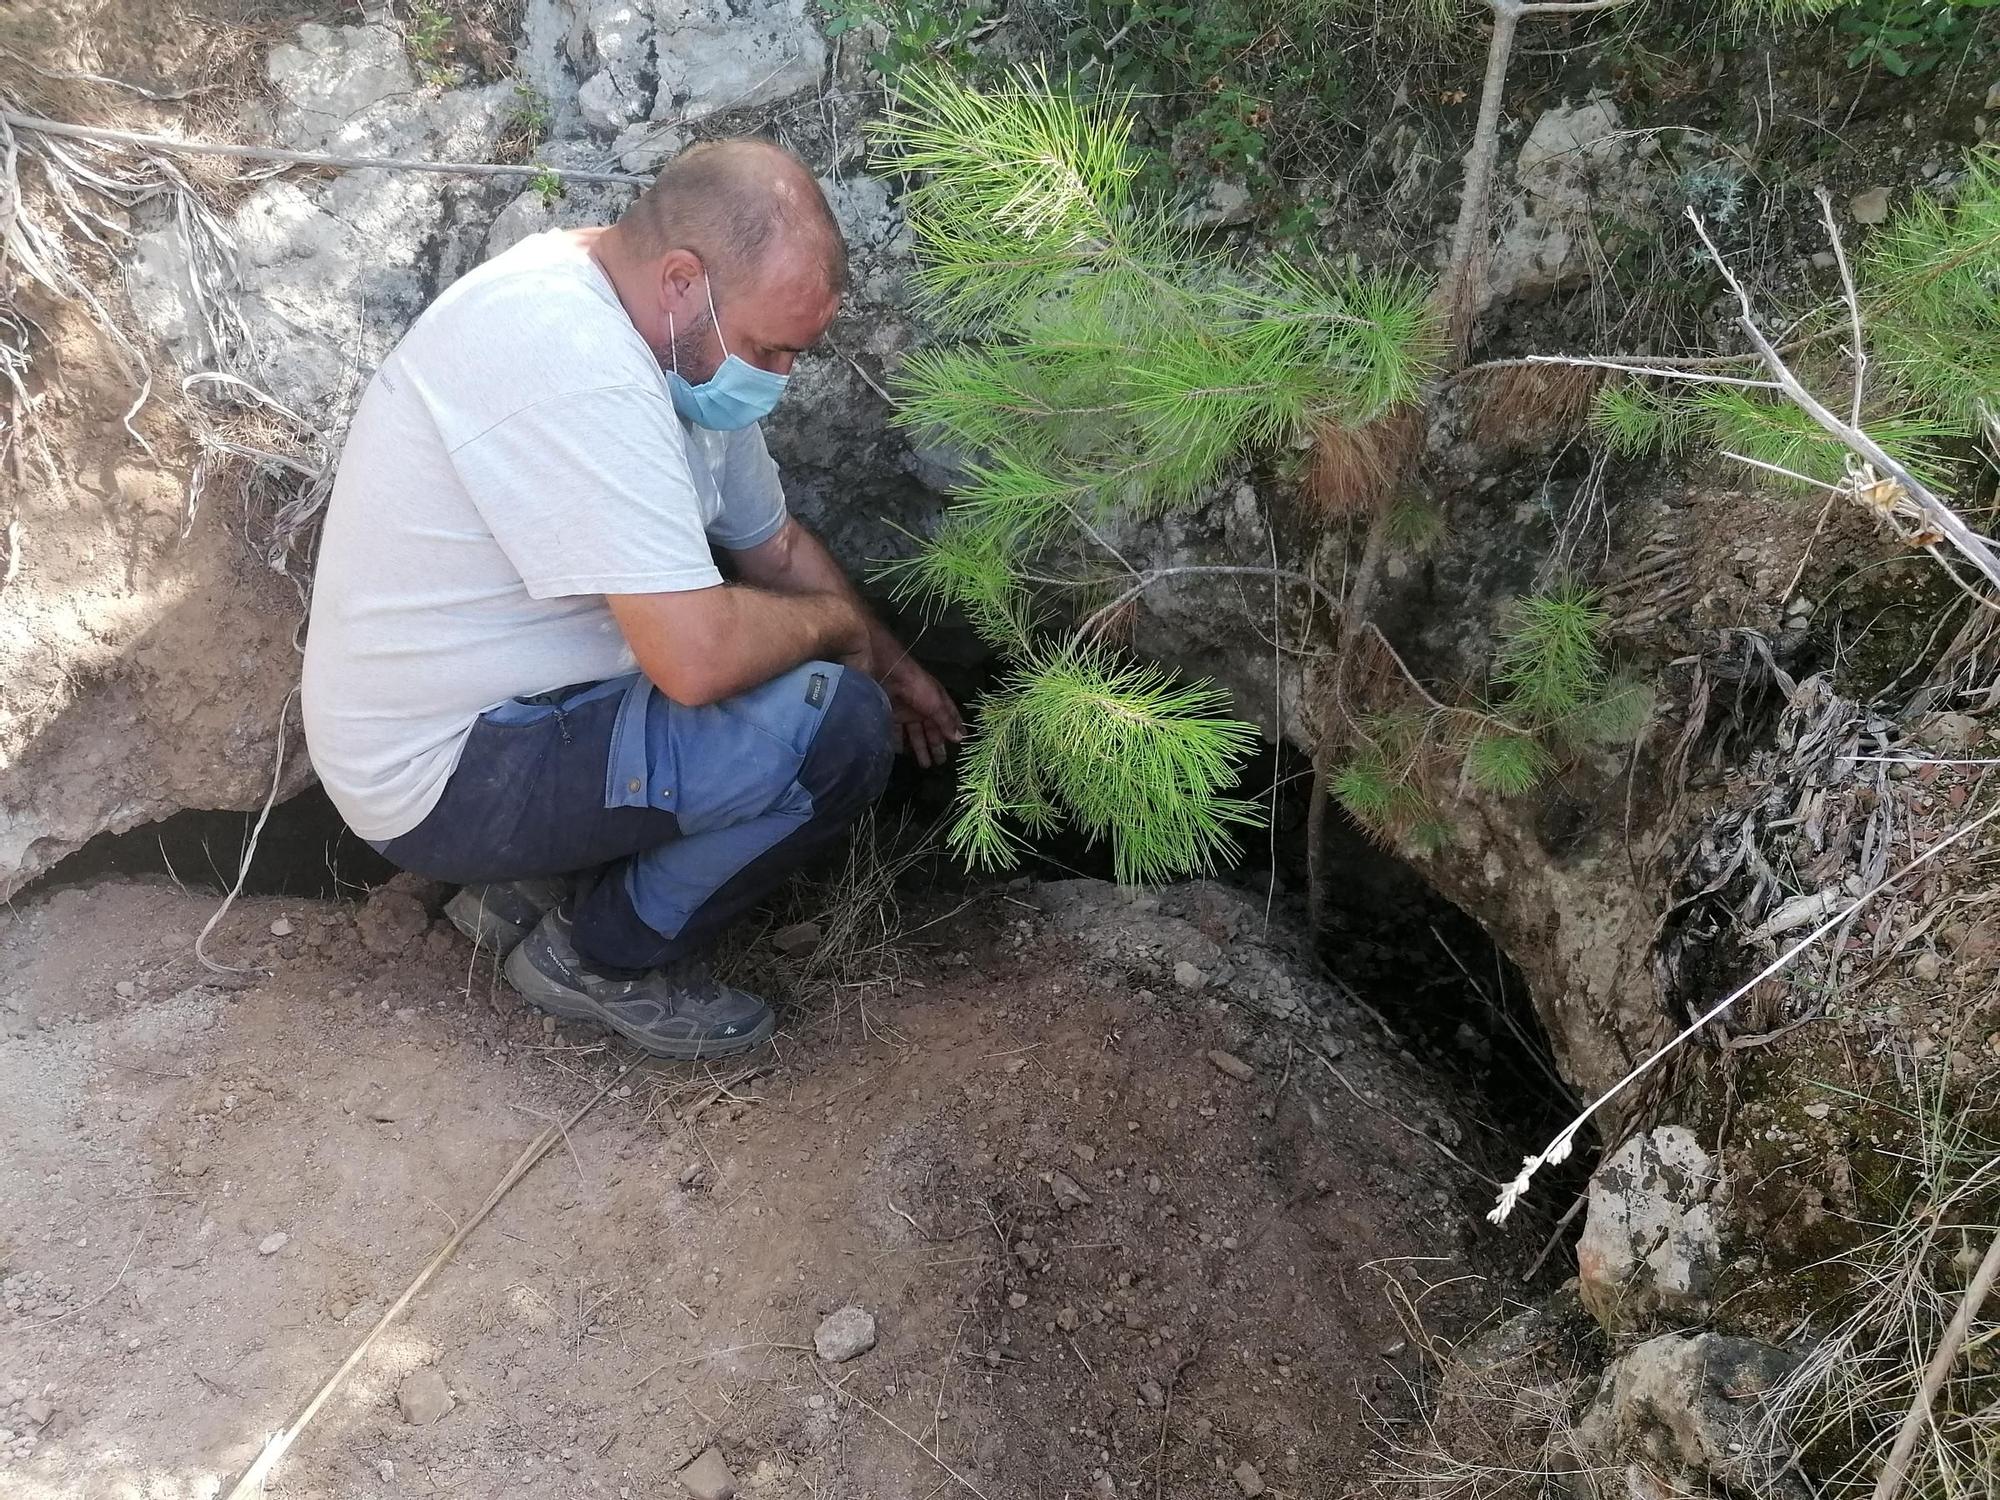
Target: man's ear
(679, 271)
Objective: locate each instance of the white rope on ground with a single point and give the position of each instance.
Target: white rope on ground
(105, 135)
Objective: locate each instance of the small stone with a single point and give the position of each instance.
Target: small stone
(1028, 1253)
(1871, 207)
(796, 940)
(1248, 1479)
(125, 989)
(337, 1310)
(1153, 1183)
(708, 1477)
(192, 1164)
(282, 927)
(1824, 260)
(1234, 1066)
(1017, 1300)
(845, 1335)
(693, 1175)
(271, 1244)
(1818, 1111)
(38, 1410)
(1927, 967)
(1151, 1394)
(395, 1107)
(386, 1471)
(1067, 1320)
(1188, 977)
(423, 1397)
(1068, 1192)
(1993, 96)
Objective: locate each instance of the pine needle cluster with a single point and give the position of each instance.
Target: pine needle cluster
(1636, 417)
(1103, 359)
(1124, 751)
(1932, 276)
(1930, 296)
(1555, 691)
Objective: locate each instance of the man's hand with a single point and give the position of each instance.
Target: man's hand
(927, 721)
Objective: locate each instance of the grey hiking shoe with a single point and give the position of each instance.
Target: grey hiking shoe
(499, 914)
(681, 1011)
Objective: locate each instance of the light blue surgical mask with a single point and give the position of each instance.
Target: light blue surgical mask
(736, 395)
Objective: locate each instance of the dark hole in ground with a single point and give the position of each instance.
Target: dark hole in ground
(304, 850)
(1450, 997)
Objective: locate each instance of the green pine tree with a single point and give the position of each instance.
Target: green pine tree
(1104, 359)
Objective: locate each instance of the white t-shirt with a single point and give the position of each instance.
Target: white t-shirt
(515, 459)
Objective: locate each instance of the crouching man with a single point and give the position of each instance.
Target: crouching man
(525, 673)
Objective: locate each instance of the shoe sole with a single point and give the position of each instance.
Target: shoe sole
(485, 926)
(567, 1004)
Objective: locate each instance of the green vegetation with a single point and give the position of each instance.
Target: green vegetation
(1555, 691)
(427, 35)
(530, 117)
(1931, 309)
(548, 184)
(527, 124)
(916, 33)
(1909, 37)
(1110, 364)
(1932, 278)
(1127, 754)
(1234, 88)
(1930, 1210)
(1637, 418)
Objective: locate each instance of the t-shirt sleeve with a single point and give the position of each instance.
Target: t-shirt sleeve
(753, 499)
(589, 493)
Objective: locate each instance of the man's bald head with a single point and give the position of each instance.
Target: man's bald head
(736, 205)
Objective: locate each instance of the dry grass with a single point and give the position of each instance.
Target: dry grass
(1498, 1412)
(1845, 1401)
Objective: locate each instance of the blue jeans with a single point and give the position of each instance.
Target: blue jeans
(677, 820)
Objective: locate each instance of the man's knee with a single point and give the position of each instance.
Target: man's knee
(849, 762)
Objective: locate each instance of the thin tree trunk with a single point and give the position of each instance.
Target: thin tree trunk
(1465, 267)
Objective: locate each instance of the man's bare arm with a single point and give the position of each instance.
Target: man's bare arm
(700, 646)
(795, 561)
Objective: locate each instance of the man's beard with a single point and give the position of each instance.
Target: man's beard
(684, 352)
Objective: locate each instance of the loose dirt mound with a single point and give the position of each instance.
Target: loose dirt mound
(1099, 1262)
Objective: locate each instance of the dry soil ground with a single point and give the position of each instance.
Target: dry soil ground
(214, 1186)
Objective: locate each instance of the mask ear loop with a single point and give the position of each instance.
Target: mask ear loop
(708, 286)
(673, 344)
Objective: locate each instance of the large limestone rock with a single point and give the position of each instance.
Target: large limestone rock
(1650, 1246)
(1689, 1414)
(1576, 179)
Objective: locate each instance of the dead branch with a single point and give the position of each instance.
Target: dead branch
(105, 135)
